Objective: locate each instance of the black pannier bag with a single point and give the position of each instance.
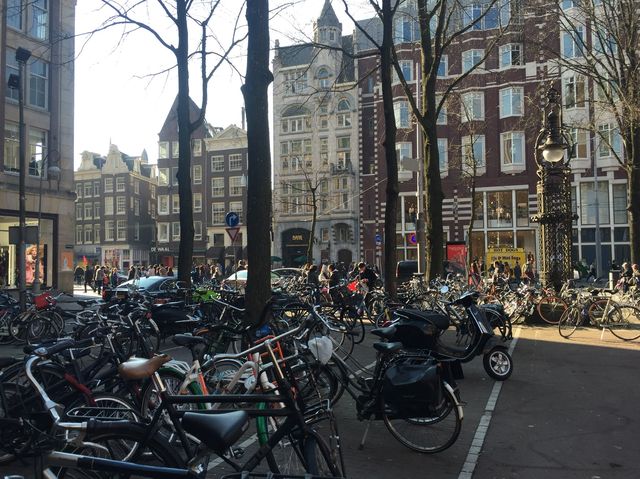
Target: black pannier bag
(413, 389)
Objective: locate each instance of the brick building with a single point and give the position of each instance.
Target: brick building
(218, 176)
(115, 209)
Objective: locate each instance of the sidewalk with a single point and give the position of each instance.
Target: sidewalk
(78, 292)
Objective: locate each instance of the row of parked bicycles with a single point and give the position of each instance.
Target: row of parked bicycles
(93, 395)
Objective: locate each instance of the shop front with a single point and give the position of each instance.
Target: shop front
(295, 242)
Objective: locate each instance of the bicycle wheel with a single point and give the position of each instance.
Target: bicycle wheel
(624, 322)
(316, 382)
(428, 434)
(352, 319)
(320, 459)
(571, 319)
(115, 445)
(551, 308)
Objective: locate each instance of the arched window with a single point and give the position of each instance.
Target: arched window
(343, 115)
(323, 78)
(295, 119)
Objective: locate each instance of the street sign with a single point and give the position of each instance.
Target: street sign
(232, 219)
(378, 239)
(233, 233)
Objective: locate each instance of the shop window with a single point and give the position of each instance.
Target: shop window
(499, 209)
(588, 203)
(522, 208)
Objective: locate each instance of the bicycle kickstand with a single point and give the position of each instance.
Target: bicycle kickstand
(364, 436)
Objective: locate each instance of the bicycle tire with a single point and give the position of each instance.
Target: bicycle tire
(551, 308)
(317, 382)
(571, 319)
(319, 458)
(624, 322)
(172, 379)
(354, 324)
(156, 451)
(597, 309)
(448, 421)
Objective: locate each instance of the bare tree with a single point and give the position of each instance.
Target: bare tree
(599, 42)
(171, 31)
(256, 101)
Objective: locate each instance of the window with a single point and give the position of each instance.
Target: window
(96, 188)
(79, 211)
(136, 231)
(175, 149)
(580, 140)
(196, 147)
(235, 162)
(174, 176)
(473, 151)
(499, 209)
(522, 208)
(511, 102)
(442, 114)
(471, 58)
(401, 112)
(217, 187)
(235, 185)
(163, 204)
(324, 151)
(39, 19)
(79, 234)
(163, 149)
(482, 15)
(78, 190)
(108, 205)
(405, 29)
(39, 84)
(136, 207)
(37, 151)
(610, 143)
(343, 115)
(96, 210)
(175, 203)
(406, 67)
(295, 81)
(153, 191)
(108, 185)
(236, 207)
(510, 55)
(163, 232)
(573, 43)
(108, 230)
(620, 204)
(11, 147)
(443, 66)
(217, 163)
(163, 176)
(574, 91)
(121, 205)
(567, 4)
(88, 189)
(323, 78)
(12, 68)
(88, 233)
(404, 149)
(88, 211)
(121, 230)
(96, 234)
(512, 149)
(472, 106)
(295, 119)
(197, 202)
(588, 202)
(217, 213)
(14, 13)
(197, 230)
(120, 186)
(443, 155)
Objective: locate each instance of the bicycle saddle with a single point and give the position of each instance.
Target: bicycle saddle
(137, 368)
(387, 347)
(218, 431)
(385, 333)
(187, 340)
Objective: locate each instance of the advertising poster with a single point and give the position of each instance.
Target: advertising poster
(457, 256)
(67, 261)
(506, 255)
(30, 263)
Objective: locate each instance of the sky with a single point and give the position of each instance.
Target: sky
(121, 99)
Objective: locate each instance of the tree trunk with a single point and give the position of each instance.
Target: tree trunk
(314, 219)
(258, 78)
(185, 250)
(433, 199)
(633, 183)
(472, 190)
(390, 214)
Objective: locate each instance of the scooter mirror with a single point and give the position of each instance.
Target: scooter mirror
(444, 290)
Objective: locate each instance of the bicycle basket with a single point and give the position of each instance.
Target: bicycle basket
(412, 388)
(42, 301)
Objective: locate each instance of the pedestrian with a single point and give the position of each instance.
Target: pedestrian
(161, 271)
(474, 273)
(79, 274)
(151, 271)
(593, 274)
(170, 271)
(113, 281)
(88, 278)
(132, 273)
(517, 272)
(217, 274)
(99, 279)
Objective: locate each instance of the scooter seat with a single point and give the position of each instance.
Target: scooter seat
(385, 333)
(440, 321)
(218, 431)
(387, 347)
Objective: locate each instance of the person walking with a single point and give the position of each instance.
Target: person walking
(79, 274)
(113, 280)
(132, 273)
(517, 272)
(99, 279)
(88, 278)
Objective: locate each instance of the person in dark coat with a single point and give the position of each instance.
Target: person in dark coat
(132, 273)
(88, 278)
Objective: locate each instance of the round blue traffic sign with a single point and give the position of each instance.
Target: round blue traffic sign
(232, 219)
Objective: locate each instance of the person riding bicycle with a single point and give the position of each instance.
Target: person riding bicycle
(366, 276)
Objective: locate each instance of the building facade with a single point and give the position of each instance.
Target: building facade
(487, 130)
(218, 182)
(48, 89)
(115, 209)
(315, 108)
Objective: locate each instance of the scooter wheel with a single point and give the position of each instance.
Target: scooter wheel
(498, 363)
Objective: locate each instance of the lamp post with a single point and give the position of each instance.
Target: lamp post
(16, 81)
(53, 173)
(554, 195)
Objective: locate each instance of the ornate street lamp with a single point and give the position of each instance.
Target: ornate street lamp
(552, 154)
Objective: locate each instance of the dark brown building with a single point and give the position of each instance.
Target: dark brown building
(115, 209)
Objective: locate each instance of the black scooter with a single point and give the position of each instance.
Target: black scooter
(417, 329)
